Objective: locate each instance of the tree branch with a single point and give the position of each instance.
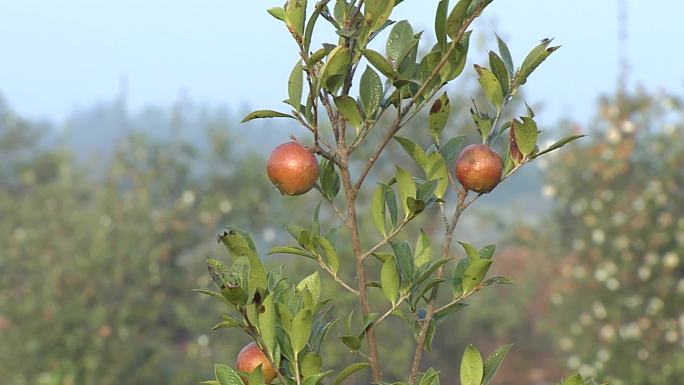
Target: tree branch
(336, 278)
(448, 235)
(350, 195)
(386, 240)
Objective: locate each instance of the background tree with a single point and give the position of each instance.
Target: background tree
(619, 215)
(96, 263)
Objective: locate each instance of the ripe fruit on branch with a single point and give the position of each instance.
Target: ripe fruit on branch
(249, 358)
(292, 168)
(479, 168)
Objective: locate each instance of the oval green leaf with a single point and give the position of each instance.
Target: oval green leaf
(472, 368)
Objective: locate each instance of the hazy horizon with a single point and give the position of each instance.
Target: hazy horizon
(67, 56)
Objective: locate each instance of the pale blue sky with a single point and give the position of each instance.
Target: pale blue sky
(57, 56)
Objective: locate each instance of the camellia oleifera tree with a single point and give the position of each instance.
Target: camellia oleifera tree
(620, 213)
(289, 321)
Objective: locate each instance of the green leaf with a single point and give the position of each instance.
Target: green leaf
(415, 206)
(499, 69)
(368, 319)
(452, 148)
(482, 121)
(350, 111)
(229, 322)
(226, 375)
(311, 364)
(450, 309)
(218, 273)
(262, 114)
(352, 342)
(487, 252)
(457, 59)
(330, 181)
(534, 59)
(526, 134)
(413, 150)
(391, 200)
(389, 278)
(380, 63)
(430, 377)
(407, 67)
(470, 250)
(256, 377)
(295, 14)
(314, 379)
(239, 243)
(440, 24)
(334, 70)
(215, 295)
(294, 86)
(341, 12)
(427, 269)
(490, 86)
(426, 68)
(475, 273)
(407, 188)
(312, 23)
(313, 283)
(348, 323)
(498, 280)
(505, 55)
(398, 41)
(439, 115)
(459, 272)
(559, 144)
(404, 259)
(457, 17)
(289, 250)
(493, 362)
(267, 324)
(574, 380)
(317, 56)
(301, 330)
(330, 252)
(377, 13)
(436, 169)
(378, 209)
(426, 190)
(472, 368)
(370, 93)
(349, 370)
(423, 249)
(301, 235)
(277, 12)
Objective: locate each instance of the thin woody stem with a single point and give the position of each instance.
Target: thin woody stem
(336, 278)
(386, 240)
(448, 235)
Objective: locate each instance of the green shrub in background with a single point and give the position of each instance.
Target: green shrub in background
(96, 271)
(619, 302)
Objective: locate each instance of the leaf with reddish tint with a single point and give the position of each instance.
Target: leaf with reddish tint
(439, 115)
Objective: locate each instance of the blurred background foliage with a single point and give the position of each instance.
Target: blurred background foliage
(105, 225)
